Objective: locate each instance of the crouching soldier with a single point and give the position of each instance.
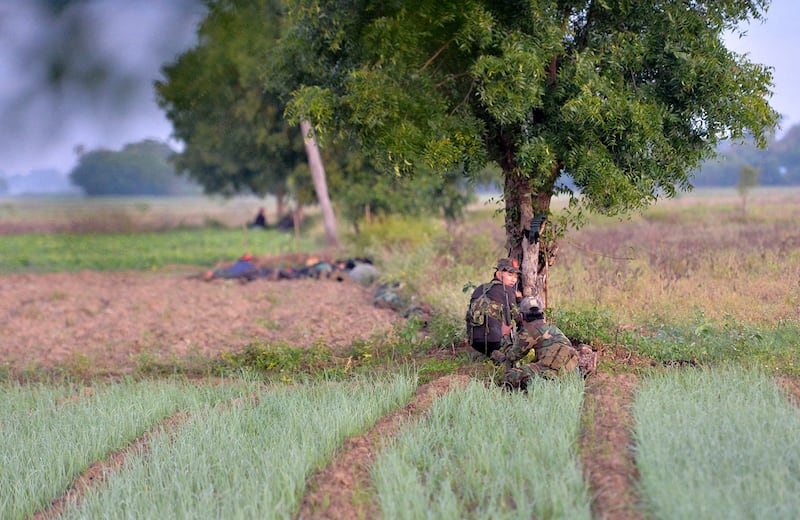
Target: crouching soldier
(542, 350)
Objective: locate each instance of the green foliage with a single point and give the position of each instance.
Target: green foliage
(711, 343)
(142, 168)
(724, 441)
(395, 233)
(225, 99)
(138, 251)
(278, 359)
(435, 368)
(624, 98)
(589, 326)
(357, 188)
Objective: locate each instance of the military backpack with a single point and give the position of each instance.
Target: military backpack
(481, 308)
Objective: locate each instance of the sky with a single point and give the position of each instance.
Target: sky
(116, 48)
(46, 114)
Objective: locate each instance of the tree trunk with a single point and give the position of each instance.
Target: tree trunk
(320, 185)
(297, 218)
(521, 206)
(279, 196)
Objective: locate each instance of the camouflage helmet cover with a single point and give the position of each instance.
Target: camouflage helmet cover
(528, 304)
(507, 264)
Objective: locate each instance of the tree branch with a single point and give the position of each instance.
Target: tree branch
(435, 55)
(451, 77)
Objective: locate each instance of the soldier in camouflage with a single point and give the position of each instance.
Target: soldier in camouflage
(494, 310)
(542, 350)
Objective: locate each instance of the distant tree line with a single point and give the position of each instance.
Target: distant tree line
(776, 165)
(142, 168)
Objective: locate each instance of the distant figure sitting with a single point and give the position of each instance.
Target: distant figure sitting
(286, 222)
(260, 220)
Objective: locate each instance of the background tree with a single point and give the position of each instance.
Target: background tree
(361, 192)
(229, 112)
(626, 98)
(235, 136)
(778, 164)
(748, 179)
(142, 168)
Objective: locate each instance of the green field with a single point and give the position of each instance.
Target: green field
(694, 300)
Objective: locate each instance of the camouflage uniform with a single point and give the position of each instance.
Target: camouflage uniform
(487, 312)
(542, 350)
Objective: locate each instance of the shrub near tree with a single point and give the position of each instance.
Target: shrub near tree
(142, 168)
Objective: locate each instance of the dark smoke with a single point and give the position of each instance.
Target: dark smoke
(80, 73)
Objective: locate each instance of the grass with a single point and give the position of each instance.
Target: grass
(140, 251)
(774, 348)
(485, 453)
(51, 439)
(245, 461)
(383, 353)
(687, 254)
(717, 444)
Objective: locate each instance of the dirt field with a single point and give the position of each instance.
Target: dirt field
(111, 321)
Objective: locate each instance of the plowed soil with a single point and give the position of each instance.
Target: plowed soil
(112, 321)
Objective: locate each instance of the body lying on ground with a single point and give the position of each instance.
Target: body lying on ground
(245, 269)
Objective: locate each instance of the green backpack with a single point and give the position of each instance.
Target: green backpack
(481, 307)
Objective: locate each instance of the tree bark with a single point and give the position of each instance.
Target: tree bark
(521, 206)
(279, 196)
(320, 184)
(297, 218)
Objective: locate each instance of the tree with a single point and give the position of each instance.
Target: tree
(234, 134)
(778, 164)
(229, 112)
(625, 98)
(142, 168)
(748, 179)
(320, 184)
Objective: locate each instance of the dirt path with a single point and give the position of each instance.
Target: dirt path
(340, 490)
(96, 474)
(108, 322)
(605, 445)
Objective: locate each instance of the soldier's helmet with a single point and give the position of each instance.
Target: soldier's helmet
(507, 264)
(529, 304)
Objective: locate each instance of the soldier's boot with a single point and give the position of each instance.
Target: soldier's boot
(514, 379)
(499, 358)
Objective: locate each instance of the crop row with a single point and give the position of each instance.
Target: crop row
(707, 444)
